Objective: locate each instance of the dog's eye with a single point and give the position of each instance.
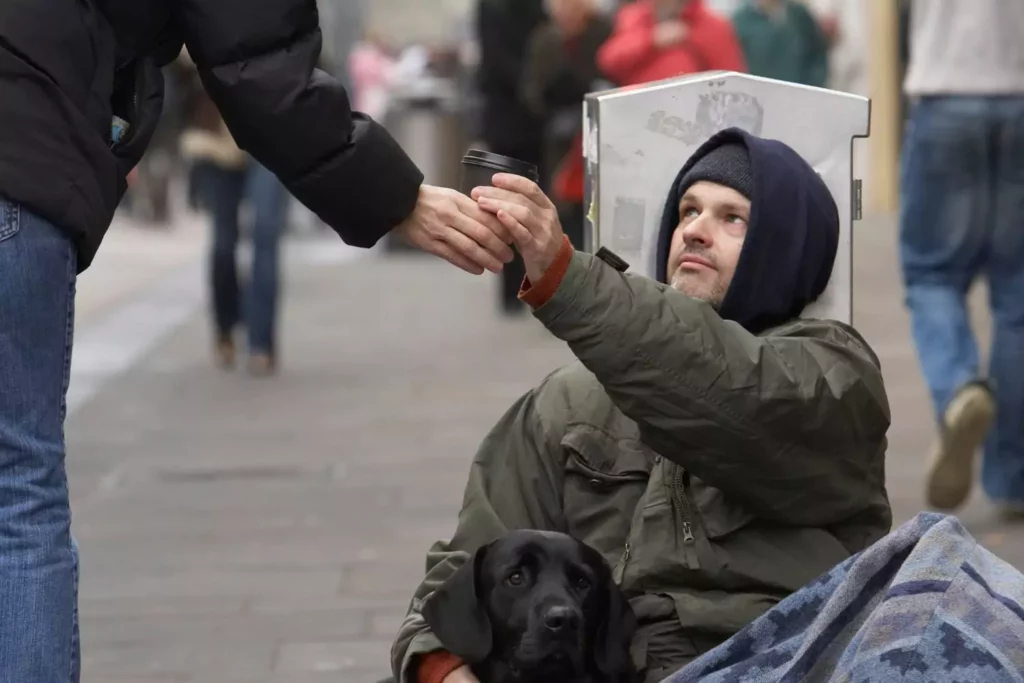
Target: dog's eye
(515, 579)
(582, 583)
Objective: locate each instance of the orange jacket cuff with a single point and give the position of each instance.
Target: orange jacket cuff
(434, 667)
(536, 295)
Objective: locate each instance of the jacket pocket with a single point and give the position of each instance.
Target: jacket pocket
(137, 99)
(10, 219)
(605, 478)
(719, 515)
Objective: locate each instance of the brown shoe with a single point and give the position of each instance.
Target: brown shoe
(966, 424)
(262, 365)
(224, 353)
(1011, 512)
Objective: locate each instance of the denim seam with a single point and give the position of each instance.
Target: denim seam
(72, 270)
(10, 219)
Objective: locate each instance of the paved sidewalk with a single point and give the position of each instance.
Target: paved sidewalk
(271, 531)
(134, 258)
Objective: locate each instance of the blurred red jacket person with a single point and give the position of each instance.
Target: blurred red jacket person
(632, 54)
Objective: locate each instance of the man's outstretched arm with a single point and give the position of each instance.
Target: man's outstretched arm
(791, 424)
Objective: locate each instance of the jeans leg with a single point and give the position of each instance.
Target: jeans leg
(223, 190)
(1003, 465)
(270, 202)
(38, 560)
(944, 231)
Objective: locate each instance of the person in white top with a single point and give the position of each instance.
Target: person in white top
(962, 218)
(843, 22)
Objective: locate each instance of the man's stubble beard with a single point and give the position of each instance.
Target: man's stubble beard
(713, 298)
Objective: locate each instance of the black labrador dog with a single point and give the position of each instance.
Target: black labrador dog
(537, 607)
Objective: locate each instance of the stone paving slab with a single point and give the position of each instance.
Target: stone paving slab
(133, 257)
(236, 529)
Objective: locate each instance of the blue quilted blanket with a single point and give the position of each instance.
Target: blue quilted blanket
(926, 604)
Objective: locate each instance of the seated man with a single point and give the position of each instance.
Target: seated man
(718, 450)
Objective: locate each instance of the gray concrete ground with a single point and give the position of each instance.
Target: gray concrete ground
(235, 529)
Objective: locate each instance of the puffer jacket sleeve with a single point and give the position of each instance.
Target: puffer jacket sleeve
(514, 483)
(792, 424)
(257, 61)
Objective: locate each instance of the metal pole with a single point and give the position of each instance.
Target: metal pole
(884, 73)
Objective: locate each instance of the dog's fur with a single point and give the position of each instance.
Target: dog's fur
(536, 606)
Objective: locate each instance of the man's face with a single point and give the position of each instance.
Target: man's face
(707, 241)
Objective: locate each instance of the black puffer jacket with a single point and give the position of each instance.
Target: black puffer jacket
(67, 65)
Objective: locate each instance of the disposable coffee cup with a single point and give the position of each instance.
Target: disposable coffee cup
(478, 167)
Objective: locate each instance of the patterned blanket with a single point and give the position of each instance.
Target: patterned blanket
(926, 604)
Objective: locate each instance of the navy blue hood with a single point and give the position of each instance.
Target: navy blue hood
(792, 236)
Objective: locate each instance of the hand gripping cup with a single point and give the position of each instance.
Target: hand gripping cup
(478, 167)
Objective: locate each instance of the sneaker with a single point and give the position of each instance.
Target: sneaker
(965, 426)
(262, 364)
(224, 353)
(1011, 512)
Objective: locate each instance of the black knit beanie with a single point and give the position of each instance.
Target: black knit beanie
(728, 165)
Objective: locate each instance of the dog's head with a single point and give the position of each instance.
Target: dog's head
(536, 606)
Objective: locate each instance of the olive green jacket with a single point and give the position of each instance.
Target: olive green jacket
(718, 471)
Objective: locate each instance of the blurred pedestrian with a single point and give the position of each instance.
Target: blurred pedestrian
(781, 39)
(371, 67)
(253, 304)
(508, 127)
(961, 218)
(342, 23)
(843, 23)
(658, 39)
(226, 178)
(81, 93)
(561, 68)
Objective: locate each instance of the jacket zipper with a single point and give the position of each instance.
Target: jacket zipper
(680, 479)
(623, 561)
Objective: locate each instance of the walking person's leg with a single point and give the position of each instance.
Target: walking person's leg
(1003, 468)
(946, 173)
(270, 204)
(223, 190)
(38, 559)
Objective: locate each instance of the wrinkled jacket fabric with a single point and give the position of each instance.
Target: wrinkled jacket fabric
(67, 65)
(716, 469)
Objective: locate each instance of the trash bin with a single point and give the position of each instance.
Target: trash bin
(425, 117)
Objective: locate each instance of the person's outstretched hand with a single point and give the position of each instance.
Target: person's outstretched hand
(449, 224)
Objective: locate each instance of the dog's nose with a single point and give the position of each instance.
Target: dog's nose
(560, 618)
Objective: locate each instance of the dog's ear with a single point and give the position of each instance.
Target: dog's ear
(456, 614)
(614, 634)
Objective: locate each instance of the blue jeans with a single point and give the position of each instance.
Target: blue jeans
(224, 190)
(961, 217)
(38, 558)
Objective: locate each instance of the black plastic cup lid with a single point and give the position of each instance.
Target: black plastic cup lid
(478, 157)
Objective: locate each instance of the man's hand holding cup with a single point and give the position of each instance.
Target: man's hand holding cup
(530, 217)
